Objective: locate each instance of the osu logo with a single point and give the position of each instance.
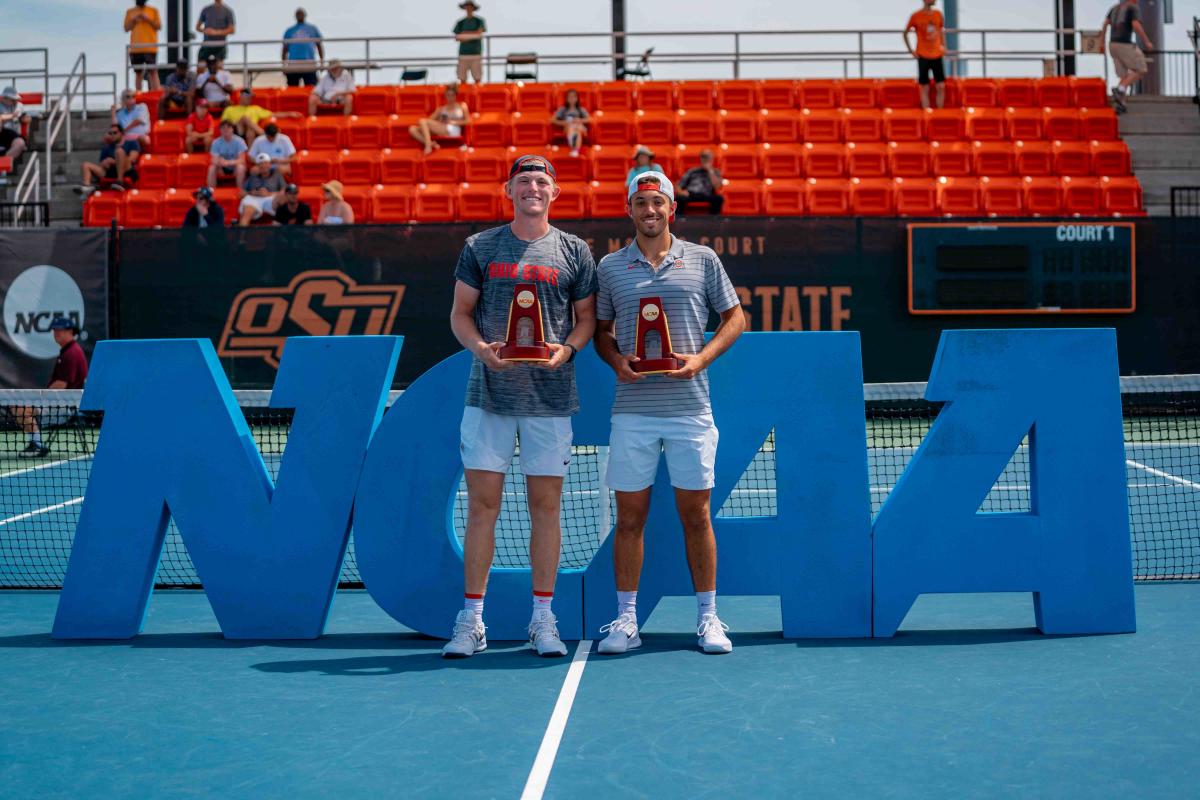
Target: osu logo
(315, 303)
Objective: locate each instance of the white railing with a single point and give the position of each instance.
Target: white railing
(60, 113)
(42, 73)
(92, 90)
(29, 184)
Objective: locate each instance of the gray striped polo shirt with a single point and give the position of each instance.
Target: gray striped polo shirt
(690, 281)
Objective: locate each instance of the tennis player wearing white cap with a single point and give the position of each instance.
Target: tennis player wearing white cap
(666, 413)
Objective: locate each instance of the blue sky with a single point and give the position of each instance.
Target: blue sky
(94, 26)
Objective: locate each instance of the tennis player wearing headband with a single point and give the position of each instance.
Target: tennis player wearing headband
(668, 413)
(506, 400)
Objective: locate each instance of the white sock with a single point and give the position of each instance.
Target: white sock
(541, 602)
(36, 438)
(706, 603)
(474, 603)
(627, 603)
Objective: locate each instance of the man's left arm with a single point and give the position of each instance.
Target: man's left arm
(733, 323)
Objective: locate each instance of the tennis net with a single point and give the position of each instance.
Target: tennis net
(40, 498)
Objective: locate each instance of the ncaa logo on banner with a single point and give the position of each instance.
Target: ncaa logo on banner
(34, 299)
(315, 303)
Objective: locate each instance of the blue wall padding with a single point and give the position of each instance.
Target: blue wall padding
(174, 442)
(1072, 549)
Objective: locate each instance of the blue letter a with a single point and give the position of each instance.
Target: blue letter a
(174, 444)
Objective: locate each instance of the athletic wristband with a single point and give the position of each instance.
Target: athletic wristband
(574, 351)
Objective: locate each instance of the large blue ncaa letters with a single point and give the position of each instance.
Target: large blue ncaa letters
(174, 444)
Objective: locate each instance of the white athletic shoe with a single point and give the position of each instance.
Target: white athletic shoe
(543, 635)
(469, 636)
(711, 633)
(622, 635)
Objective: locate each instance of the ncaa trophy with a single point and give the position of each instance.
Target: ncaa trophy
(652, 319)
(526, 340)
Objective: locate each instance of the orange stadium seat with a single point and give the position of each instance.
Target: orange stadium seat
(777, 94)
(102, 208)
(782, 126)
(1017, 92)
(570, 169)
(375, 100)
(862, 125)
(399, 167)
(434, 202)
(613, 127)
(574, 201)
(175, 204)
(487, 165)
(611, 163)
(738, 127)
(742, 198)
(487, 130)
(268, 96)
(167, 137)
(698, 127)
(903, 125)
(359, 199)
(537, 98)
(327, 133)
(979, 92)
(419, 101)
(480, 201)
(1002, 197)
(156, 171)
(366, 132)
(872, 197)
(443, 166)
(858, 93)
(1043, 196)
(614, 96)
(945, 124)
(1089, 93)
(530, 128)
(1098, 123)
(360, 167)
(142, 208)
(916, 197)
(494, 98)
(782, 161)
(294, 129)
(191, 170)
(959, 197)
(994, 158)
(398, 135)
(392, 203)
(1024, 124)
(1034, 158)
(739, 160)
(608, 199)
(587, 95)
(783, 198)
(953, 159)
(1121, 196)
(655, 96)
(1108, 158)
(908, 159)
(821, 125)
(827, 198)
(818, 94)
(655, 126)
(1081, 196)
(314, 166)
(676, 159)
(227, 198)
(293, 98)
(696, 95)
(1072, 158)
(313, 196)
(1061, 123)
(897, 93)
(868, 160)
(737, 95)
(824, 160)
(987, 124)
(1055, 93)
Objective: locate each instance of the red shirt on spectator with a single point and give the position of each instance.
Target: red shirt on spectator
(200, 122)
(71, 367)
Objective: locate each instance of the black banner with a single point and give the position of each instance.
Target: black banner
(45, 274)
(248, 289)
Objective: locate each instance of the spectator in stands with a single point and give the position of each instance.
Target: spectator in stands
(1125, 19)
(292, 211)
(643, 161)
(573, 119)
(12, 118)
(214, 82)
(198, 129)
(468, 32)
(931, 47)
(142, 24)
(334, 209)
(112, 152)
(701, 184)
(245, 116)
(205, 213)
(70, 372)
(447, 120)
(227, 156)
(336, 87)
(263, 188)
(178, 91)
(302, 44)
(276, 145)
(216, 23)
(134, 118)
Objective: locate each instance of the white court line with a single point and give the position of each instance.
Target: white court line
(535, 786)
(1160, 474)
(40, 466)
(43, 510)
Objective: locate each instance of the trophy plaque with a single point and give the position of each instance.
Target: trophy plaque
(526, 340)
(652, 330)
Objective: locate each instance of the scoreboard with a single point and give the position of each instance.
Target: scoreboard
(1021, 268)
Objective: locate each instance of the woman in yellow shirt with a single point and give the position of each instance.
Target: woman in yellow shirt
(143, 24)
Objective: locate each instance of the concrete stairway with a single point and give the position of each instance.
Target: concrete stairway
(1163, 134)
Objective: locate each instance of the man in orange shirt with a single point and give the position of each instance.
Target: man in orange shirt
(143, 24)
(931, 47)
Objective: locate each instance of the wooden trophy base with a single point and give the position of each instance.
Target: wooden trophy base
(532, 353)
(656, 366)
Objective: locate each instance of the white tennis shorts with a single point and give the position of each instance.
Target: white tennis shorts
(637, 440)
(489, 441)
